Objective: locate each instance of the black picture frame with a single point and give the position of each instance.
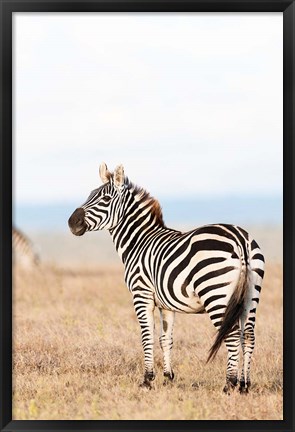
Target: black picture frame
(7, 8)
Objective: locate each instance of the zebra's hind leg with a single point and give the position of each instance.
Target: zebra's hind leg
(248, 324)
(248, 342)
(232, 342)
(166, 342)
(255, 279)
(248, 339)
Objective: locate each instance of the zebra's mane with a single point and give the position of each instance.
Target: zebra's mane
(144, 196)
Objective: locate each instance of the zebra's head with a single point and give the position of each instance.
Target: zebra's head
(104, 207)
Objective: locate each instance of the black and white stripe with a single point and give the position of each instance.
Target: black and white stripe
(23, 250)
(216, 269)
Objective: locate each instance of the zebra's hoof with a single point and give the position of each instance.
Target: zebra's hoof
(148, 378)
(168, 378)
(228, 389)
(243, 389)
(146, 385)
(230, 385)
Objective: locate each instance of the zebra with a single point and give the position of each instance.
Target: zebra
(23, 251)
(215, 268)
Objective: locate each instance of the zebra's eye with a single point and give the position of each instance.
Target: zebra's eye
(106, 198)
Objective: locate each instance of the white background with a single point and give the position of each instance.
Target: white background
(190, 104)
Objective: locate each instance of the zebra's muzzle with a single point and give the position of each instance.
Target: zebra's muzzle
(77, 222)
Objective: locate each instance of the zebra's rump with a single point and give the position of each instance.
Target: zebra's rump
(202, 268)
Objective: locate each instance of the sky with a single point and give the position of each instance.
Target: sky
(190, 104)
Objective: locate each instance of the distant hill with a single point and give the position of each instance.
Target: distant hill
(47, 226)
(186, 212)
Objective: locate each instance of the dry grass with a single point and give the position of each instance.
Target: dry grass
(77, 354)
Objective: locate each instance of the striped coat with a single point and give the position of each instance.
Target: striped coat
(23, 250)
(216, 269)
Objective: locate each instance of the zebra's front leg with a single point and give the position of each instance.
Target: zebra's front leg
(144, 308)
(166, 342)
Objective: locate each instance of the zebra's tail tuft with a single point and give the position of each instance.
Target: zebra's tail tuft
(232, 313)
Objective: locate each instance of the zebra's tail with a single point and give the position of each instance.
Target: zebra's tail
(233, 311)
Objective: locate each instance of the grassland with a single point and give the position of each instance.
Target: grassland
(77, 353)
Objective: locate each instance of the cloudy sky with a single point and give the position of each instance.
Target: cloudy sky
(190, 104)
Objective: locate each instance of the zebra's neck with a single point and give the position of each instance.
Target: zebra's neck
(141, 222)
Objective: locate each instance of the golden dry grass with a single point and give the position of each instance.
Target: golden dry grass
(77, 354)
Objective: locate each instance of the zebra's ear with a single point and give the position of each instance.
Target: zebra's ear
(119, 176)
(104, 173)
